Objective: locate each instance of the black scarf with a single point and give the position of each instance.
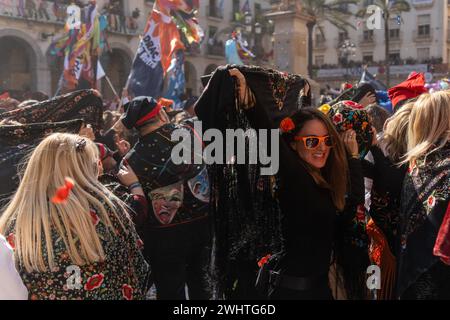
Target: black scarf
(86, 105)
(17, 141)
(425, 198)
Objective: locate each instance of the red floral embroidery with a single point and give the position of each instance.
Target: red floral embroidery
(264, 260)
(287, 125)
(94, 282)
(127, 292)
(431, 202)
(338, 118)
(95, 218)
(140, 244)
(361, 213)
(11, 240)
(353, 105)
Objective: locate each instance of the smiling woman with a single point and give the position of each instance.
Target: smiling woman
(313, 184)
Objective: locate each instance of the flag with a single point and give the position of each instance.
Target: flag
(367, 77)
(100, 71)
(171, 27)
(147, 76)
(186, 6)
(177, 82)
(246, 7)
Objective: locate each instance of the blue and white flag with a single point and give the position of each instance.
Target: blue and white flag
(147, 76)
(177, 82)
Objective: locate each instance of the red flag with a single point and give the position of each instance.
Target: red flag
(169, 38)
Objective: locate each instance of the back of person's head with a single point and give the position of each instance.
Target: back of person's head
(33, 215)
(394, 140)
(429, 125)
(378, 116)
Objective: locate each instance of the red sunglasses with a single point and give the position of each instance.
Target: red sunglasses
(312, 142)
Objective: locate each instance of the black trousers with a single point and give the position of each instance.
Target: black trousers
(320, 291)
(179, 257)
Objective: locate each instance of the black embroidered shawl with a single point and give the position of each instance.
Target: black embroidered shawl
(425, 198)
(85, 104)
(245, 210)
(17, 141)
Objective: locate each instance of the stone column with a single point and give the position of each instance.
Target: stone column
(291, 41)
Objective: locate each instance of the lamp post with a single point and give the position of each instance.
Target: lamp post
(254, 33)
(346, 49)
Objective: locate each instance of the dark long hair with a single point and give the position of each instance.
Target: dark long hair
(334, 175)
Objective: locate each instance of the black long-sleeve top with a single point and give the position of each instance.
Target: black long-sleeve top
(308, 211)
(386, 176)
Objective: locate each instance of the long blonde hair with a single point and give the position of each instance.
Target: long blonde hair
(429, 125)
(34, 217)
(394, 140)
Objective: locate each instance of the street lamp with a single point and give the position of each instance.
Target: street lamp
(346, 50)
(248, 18)
(258, 28)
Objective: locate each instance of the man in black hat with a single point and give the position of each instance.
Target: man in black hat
(176, 233)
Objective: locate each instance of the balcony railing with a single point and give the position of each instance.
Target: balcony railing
(214, 12)
(366, 40)
(51, 12)
(320, 44)
(216, 50)
(424, 37)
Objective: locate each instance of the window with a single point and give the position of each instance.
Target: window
(423, 54)
(424, 28)
(367, 57)
(394, 34)
(320, 38)
(368, 35)
(343, 35)
(394, 29)
(394, 58)
(320, 60)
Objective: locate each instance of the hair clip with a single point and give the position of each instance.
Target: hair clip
(80, 145)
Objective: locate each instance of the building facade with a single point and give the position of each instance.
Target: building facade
(28, 27)
(419, 41)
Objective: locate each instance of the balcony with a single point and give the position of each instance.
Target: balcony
(426, 37)
(56, 15)
(366, 41)
(214, 13)
(320, 44)
(193, 50)
(217, 50)
(397, 38)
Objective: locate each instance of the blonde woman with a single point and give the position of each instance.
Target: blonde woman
(394, 140)
(76, 241)
(424, 257)
(387, 176)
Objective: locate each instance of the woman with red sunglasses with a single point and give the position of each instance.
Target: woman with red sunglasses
(313, 189)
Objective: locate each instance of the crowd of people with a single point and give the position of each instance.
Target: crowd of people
(98, 209)
(56, 10)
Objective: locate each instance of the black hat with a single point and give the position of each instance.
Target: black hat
(140, 111)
